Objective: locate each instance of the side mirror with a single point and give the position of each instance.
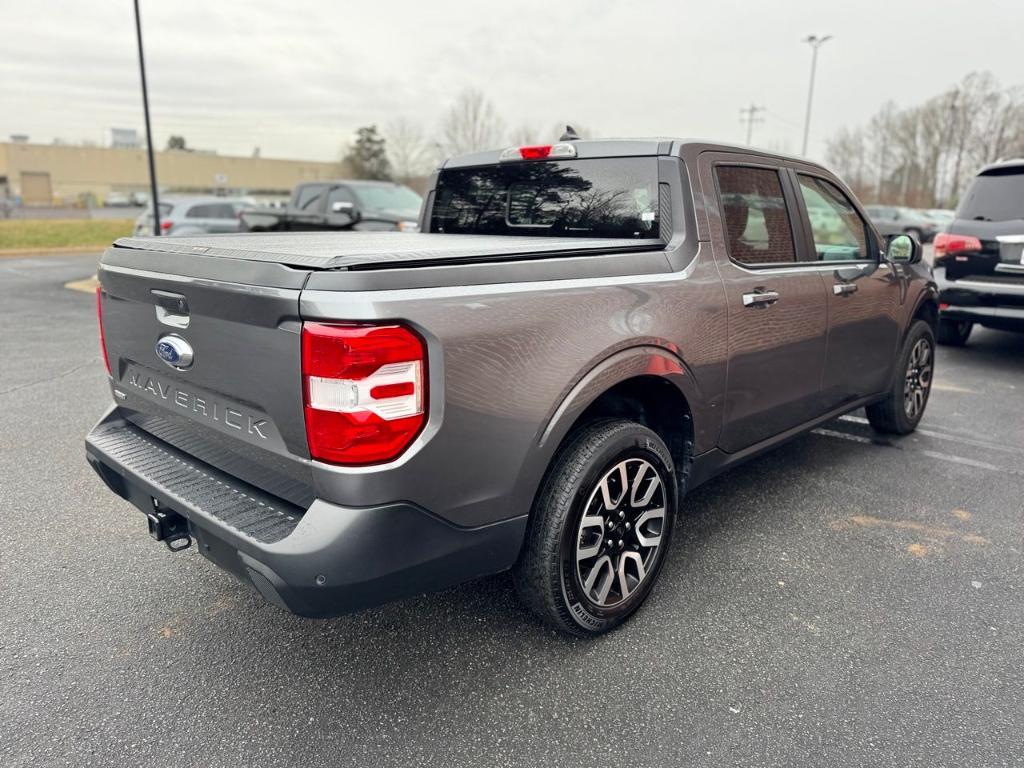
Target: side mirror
(348, 209)
(903, 249)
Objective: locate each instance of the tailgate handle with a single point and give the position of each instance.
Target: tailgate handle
(171, 308)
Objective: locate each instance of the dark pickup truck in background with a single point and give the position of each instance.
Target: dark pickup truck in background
(340, 205)
(580, 334)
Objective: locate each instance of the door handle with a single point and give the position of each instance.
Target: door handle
(844, 289)
(760, 298)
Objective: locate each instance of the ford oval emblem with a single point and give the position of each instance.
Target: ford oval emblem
(174, 351)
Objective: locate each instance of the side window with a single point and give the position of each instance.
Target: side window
(309, 197)
(840, 234)
(224, 211)
(200, 212)
(340, 195)
(757, 227)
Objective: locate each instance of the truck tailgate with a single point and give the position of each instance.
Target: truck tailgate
(238, 404)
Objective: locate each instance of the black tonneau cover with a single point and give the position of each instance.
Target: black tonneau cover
(376, 250)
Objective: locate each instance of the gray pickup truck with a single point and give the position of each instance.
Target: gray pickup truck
(347, 205)
(580, 334)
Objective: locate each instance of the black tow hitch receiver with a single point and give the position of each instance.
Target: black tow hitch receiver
(169, 527)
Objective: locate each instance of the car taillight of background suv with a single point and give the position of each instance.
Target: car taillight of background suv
(979, 259)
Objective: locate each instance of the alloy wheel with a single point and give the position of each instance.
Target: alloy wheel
(919, 378)
(620, 533)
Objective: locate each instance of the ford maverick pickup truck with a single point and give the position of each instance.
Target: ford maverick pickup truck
(579, 334)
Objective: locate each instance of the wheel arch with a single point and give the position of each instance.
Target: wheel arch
(927, 309)
(647, 384)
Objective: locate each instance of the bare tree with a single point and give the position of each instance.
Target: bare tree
(471, 125)
(525, 135)
(924, 155)
(411, 154)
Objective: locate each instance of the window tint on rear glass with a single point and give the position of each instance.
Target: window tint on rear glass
(839, 232)
(607, 197)
(755, 216)
(995, 196)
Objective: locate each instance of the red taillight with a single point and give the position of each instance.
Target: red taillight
(365, 391)
(166, 225)
(946, 243)
(103, 338)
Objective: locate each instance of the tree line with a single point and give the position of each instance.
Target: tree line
(923, 156)
(403, 150)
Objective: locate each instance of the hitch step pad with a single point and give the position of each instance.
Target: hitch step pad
(186, 483)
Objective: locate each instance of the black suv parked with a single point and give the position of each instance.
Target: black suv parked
(979, 260)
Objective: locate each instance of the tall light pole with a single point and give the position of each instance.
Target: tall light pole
(149, 133)
(815, 42)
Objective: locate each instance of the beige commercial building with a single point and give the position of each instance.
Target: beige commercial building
(51, 174)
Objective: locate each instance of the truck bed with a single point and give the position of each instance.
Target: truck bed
(380, 250)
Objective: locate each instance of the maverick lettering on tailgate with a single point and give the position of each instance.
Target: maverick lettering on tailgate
(201, 406)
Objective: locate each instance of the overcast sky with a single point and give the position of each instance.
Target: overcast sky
(296, 78)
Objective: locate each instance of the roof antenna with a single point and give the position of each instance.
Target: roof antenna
(570, 134)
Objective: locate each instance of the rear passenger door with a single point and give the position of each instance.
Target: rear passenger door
(864, 293)
(777, 316)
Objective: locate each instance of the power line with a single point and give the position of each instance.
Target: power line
(749, 116)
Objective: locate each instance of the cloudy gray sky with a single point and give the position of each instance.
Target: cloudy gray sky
(296, 78)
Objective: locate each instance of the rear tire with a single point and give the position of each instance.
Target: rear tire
(904, 406)
(914, 233)
(954, 333)
(600, 528)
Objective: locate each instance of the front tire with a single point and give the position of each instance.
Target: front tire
(600, 528)
(954, 333)
(903, 408)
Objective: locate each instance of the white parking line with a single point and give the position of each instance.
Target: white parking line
(976, 442)
(962, 460)
(844, 436)
(930, 454)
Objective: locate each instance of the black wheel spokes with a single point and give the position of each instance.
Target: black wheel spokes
(620, 532)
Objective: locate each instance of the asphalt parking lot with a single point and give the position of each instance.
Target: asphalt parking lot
(845, 600)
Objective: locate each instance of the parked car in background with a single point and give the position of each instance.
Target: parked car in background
(194, 215)
(581, 334)
(897, 220)
(941, 216)
(979, 259)
(118, 200)
(341, 205)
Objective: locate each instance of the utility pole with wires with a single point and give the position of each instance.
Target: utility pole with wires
(749, 116)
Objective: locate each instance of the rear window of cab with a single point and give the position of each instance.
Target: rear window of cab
(601, 197)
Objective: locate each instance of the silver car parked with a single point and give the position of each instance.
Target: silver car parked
(194, 215)
(897, 220)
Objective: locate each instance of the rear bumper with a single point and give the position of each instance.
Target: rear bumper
(323, 561)
(993, 303)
